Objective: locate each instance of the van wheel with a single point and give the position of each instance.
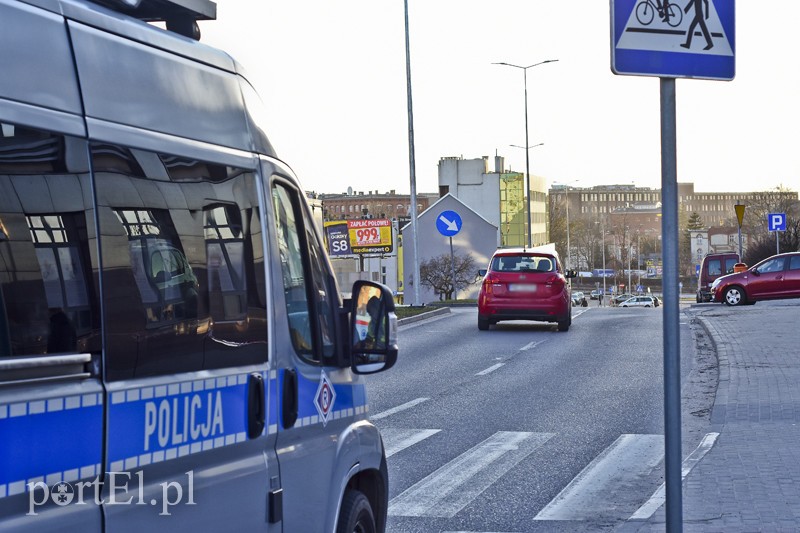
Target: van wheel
(356, 514)
(735, 296)
(483, 323)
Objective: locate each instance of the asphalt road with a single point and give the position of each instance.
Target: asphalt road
(523, 428)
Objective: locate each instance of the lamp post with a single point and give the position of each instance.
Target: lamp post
(603, 233)
(638, 257)
(412, 168)
(604, 256)
(566, 199)
(630, 252)
(527, 157)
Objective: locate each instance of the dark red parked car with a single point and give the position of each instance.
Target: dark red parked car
(774, 278)
(524, 284)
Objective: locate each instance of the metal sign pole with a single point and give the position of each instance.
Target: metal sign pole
(412, 170)
(672, 347)
(453, 267)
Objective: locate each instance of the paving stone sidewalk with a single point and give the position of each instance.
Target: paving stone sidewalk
(750, 480)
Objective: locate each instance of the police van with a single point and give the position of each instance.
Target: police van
(174, 351)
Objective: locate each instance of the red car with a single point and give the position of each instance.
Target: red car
(774, 278)
(523, 284)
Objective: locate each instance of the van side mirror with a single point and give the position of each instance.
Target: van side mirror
(373, 328)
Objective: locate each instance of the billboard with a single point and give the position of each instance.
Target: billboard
(363, 236)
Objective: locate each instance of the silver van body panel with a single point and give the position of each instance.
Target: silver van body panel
(42, 424)
(229, 471)
(165, 93)
(30, 73)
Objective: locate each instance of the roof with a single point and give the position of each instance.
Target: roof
(440, 200)
(549, 249)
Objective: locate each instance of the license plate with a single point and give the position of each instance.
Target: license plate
(522, 287)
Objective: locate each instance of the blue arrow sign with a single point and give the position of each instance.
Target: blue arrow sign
(685, 39)
(777, 221)
(448, 223)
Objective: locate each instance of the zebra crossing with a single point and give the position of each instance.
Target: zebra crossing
(591, 495)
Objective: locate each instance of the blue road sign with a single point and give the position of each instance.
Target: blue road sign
(448, 223)
(684, 39)
(777, 221)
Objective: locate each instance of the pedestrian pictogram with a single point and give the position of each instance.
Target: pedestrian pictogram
(692, 38)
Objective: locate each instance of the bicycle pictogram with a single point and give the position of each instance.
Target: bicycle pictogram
(667, 11)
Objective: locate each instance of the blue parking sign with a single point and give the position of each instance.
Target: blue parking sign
(776, 221)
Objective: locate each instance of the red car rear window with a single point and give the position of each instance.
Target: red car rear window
(523, 263)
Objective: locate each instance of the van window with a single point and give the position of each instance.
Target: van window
(47, 291)
(305, 283)
(715, 267)
(183, 263)
(729, 264)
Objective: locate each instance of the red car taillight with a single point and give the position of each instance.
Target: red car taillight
(555, 282)
(490, 282)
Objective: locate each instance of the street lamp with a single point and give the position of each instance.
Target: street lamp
(527, 146)
(566, 198)
(604, 256)
(603, 233)
(412, 168)
(638, 256)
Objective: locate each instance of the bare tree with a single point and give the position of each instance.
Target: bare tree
(779, 200)
(765, 245)
(437, 274)
(585, 237)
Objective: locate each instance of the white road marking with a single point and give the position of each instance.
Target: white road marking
(490, 369)
(402, 407)
(586, 496)
(576, 314)
(398, 439)
(423, 322)
(450, 488)
(530, 345)
(659, 496)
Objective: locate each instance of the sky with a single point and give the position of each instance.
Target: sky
(332, 75)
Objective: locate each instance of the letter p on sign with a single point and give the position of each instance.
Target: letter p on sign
(777, 221)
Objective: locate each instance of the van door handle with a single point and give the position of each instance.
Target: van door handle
(256, 408)
(289, 398)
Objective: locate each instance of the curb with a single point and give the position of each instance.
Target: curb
(423, 316)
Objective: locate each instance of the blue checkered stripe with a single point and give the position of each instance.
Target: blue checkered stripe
(50, 440)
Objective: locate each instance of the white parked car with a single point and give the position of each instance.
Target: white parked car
(639, 301)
